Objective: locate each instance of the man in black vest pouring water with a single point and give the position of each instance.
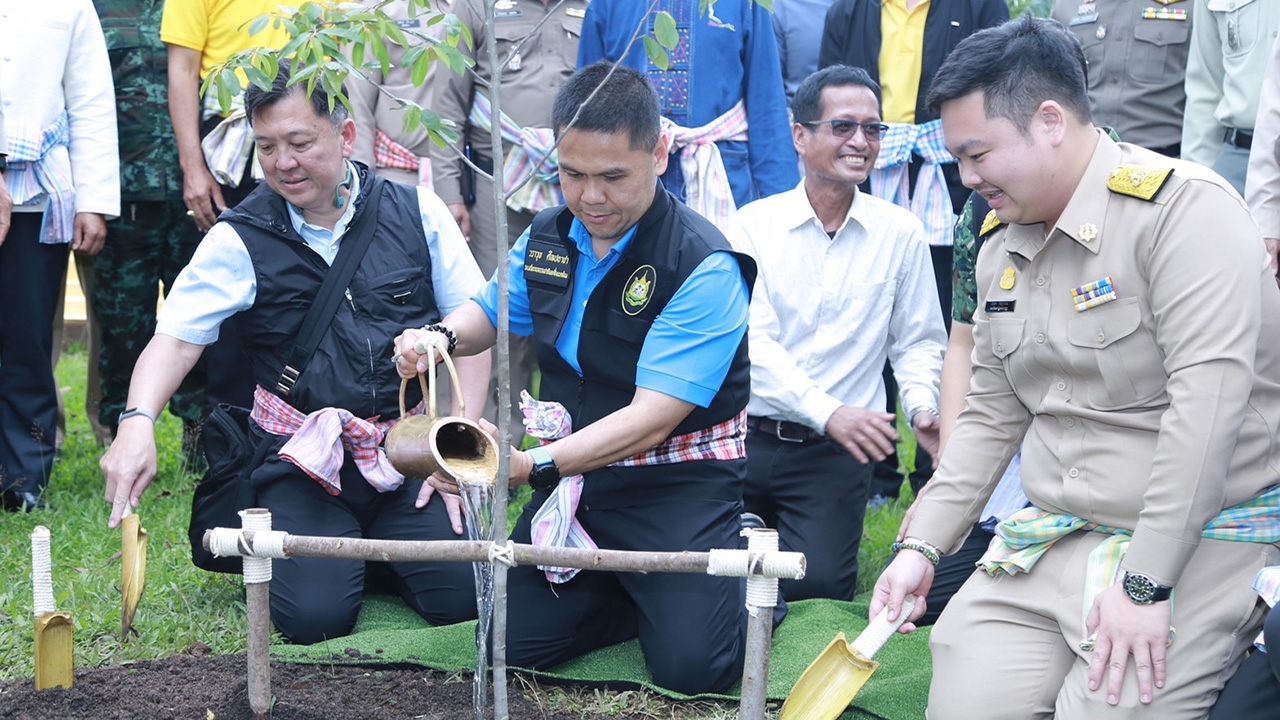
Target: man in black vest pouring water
(638, 308)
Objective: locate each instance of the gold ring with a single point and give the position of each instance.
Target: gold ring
(1173, 635)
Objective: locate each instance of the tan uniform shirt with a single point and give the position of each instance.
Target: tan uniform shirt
(530, 79)
(372, 110)
(1136, 64)
(1151, 412)
(1262, 185)
(1231, 42)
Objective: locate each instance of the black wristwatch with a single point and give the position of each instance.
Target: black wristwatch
(545, 474)
(1143, 590)
(4, 162)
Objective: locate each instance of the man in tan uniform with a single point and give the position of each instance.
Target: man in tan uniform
(382, 142)
(1127, 335)
(1137, 55)
(1262, 187)
(529, 80)
(1230, 44)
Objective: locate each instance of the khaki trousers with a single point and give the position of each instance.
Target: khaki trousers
(1008, 647)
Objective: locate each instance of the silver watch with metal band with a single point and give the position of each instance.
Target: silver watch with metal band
(1143, 590)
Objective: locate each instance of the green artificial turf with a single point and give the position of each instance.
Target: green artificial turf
(389, 632)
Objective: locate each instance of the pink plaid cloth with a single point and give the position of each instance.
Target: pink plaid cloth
(705, 180)
(388, 153)
(319, 439)
(556, 523)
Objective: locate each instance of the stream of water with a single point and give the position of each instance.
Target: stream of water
(477, 506)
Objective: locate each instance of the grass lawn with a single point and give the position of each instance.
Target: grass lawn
(181, 605)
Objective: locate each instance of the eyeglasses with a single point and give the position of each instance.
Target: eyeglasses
(845, 128)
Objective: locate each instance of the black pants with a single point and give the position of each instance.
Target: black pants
(314, 599)
(952, 572)
(691, 627)
(815, 494)
(1253, 693)
(31, 276)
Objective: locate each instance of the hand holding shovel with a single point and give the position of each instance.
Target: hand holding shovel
(834, 678)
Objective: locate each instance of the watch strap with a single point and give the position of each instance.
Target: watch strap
(135, 411)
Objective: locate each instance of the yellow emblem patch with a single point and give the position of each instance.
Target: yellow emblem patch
(639, 288)
(989, 223)
(1138, 181)
(1008, 279)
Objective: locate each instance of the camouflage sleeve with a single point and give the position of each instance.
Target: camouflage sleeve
(964, 293)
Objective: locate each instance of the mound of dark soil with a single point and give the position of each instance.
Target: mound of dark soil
(213, 687)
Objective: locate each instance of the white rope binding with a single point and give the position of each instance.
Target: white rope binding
(504, 553)
(41, 571)
(257, 569)
(762, 591)
(742, 563)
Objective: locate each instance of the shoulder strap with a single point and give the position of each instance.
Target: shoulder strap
(325, 305)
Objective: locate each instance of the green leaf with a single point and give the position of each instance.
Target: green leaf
(258, 24)
(357, 54)
(412, 118)
(664, 29)
(766, 4)
(418, 71)
(657, 55)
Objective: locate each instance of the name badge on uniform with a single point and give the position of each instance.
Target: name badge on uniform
(1098, 292)
(505, 8)
(415, 22)
(999, 306)
(1086, 13)
(547, 263)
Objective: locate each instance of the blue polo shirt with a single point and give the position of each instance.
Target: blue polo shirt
(686, 353)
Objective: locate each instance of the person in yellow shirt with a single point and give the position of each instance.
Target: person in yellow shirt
(200, 34)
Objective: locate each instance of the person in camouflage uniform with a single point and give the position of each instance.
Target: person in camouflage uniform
(153, 238)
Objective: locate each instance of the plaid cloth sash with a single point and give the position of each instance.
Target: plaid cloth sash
(39, 167)
(229, 146)
(889, 179)
(556, 523)
(706, 182)
(528, 146)
(1023, 539)
(388, 153)
(319, 439)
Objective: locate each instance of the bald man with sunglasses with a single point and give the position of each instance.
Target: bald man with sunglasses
(845, 282)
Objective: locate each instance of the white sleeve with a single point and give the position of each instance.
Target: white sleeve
(455, 277)
(91, 108)
(218, 283)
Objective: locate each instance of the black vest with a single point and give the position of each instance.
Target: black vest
(670, 241)
(391, 290)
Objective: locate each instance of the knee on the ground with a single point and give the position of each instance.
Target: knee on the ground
(315, 620)
(694, 672)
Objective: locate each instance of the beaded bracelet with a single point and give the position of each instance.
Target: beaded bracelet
(444, 330)
(928, 551)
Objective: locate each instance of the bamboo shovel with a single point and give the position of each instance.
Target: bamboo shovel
(834, 678)
(54, 659)
(133, 568)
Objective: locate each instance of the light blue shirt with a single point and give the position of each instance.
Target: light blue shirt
(220, 281)
(688, 349)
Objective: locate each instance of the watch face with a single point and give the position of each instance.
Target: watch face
(1140, 588)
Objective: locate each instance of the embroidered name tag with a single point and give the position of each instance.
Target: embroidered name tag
(999, 306)
(415, 22)
(1098, 292)
(547, 263)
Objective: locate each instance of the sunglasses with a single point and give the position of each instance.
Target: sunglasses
(845, 128)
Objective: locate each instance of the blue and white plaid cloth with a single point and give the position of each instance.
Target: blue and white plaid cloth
(931, 202)
(39, 168)
(1007, 499)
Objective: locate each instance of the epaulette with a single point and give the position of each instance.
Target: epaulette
(1138, 181)
(989, 223)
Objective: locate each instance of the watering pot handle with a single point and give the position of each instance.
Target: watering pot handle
(429, 383)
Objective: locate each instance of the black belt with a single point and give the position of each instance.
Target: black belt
(1242, 139)
(784, 431)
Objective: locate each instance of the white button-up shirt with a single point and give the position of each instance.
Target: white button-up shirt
(53, 59)
(826, 312)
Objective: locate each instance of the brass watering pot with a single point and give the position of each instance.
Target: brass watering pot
(420, 445)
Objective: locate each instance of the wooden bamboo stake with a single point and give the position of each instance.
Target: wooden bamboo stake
(257, 600)
(762, 597)
(728, 563)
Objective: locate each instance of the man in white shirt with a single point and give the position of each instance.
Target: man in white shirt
(845, 282)
(63, 176)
